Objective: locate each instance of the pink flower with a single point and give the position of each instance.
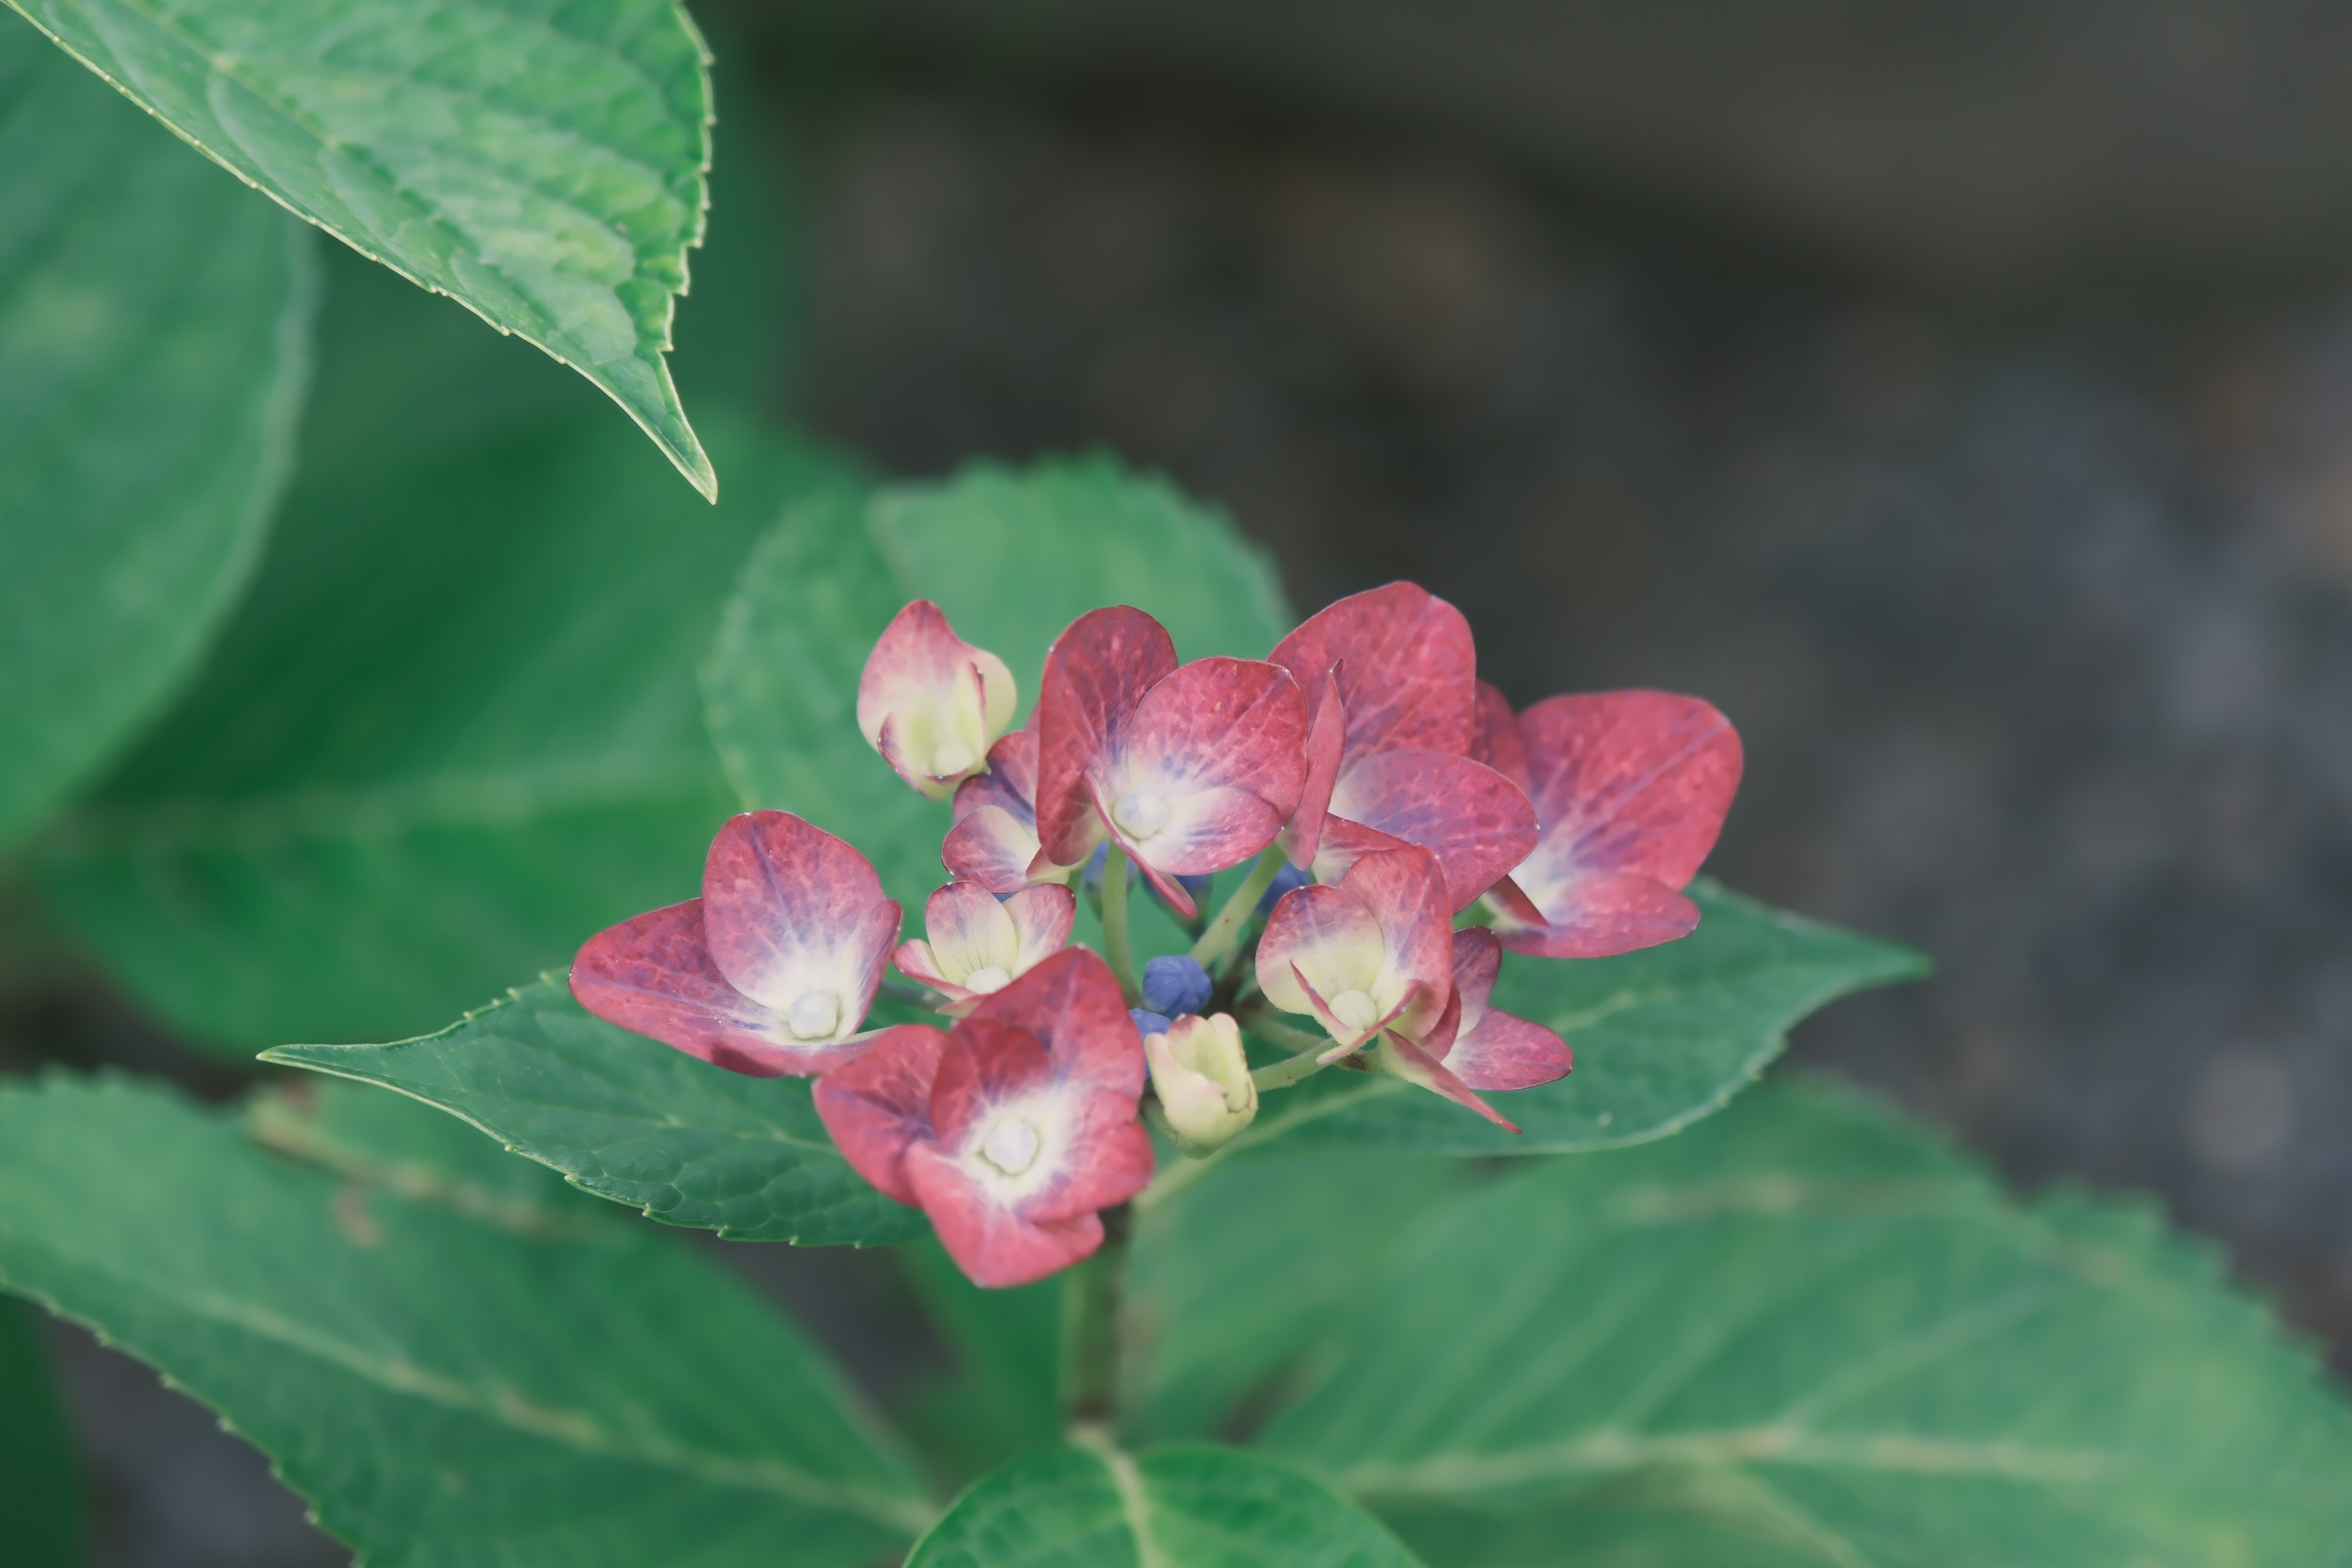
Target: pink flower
(931, 702)
(1012, 1130)
(1373, 952)
(1630, 788)
(770, 972)
(973, 946)
(1394, 675)
(1375, 962)
(1189, 770)
(995, 839)
(1490, 1050)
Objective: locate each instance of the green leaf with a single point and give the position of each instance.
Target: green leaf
(40, 1484)
(540, 163)
(453, 732)
(1662, 1038)
(631, 1120)
(1087, 1505)
(146, 413)
(383, 1140)
(1012, 556)
(1003, 1393)
(1805, 1334)
(442, 1391)
(1232, 1287)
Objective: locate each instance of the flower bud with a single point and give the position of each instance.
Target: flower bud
(1202, 1079)
(1175, 985)
(931, 702)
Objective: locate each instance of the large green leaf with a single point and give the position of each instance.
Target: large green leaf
(631, 1120)
(1087, 1505)
(146, 412)
(444, 1392)
(40, 1487)
(1012, 557)
(541, 162)
(1803, 1334)
(1002, 1393)
(453, 733)
(1662, 1038)
(380, 1139)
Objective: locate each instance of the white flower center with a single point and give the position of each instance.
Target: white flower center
(987, 979)
(1356, 1010)
(1139, 813)
(1011, 1146)
(814, 1015)
(952, 759)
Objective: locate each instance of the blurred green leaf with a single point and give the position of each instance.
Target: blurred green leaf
(1235, 1285)
(453, 733)
(1012, 557)
(380, 1139)
(1004, 1393)
(541, 164)
(41, 1499)
(631, 1120)
(443, 1390)
(146, 413)
(1662, 1038)
(1194, 1506)
(1803, 1334)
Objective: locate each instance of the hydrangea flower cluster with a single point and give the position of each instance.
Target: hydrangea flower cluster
(1407, 828)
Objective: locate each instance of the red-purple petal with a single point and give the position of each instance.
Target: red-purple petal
(1407, 668)
(1217, 753)
(1496, 740)
(1010, 783)
(1316, 929)
(991, 847)
(1415, 1066)
(1327, 736)
(1072, 1004)
(1095, 676)
(1506, 1052)
(653, 975)
(1405, 892)
(924, 692)
(1601, 914)
(789, 912)
(1476, 822)
(995, 1247)
(1627, 781)
(878, 1106)
(987, 1062)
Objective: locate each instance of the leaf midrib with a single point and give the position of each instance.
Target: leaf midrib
(574, 1429)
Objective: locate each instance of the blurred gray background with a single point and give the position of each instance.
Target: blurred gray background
(1960, 396)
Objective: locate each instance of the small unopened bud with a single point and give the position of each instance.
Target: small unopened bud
(1175, 985)
(1202, 1079)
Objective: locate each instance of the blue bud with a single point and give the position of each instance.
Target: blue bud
(1289, 877)
(1175, 985)
(1148, 1023)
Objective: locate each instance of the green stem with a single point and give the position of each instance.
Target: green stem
(1114, 918)
(1219, 938)
(1260, 1021)
(1291, 1069)
(1090, 1339)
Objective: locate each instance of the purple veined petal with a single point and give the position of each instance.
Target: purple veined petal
(993, 847)
(993, 1245)
(1321, 941)
(878, 1106)
(654, 975)
(1095, 676)
(1495, 740)
(1599, 914)
(1407, 668)
(1477, 823)
(1402, 1058)
(931, 702)
(1405, 892)
(1327, 736)
(795, 919)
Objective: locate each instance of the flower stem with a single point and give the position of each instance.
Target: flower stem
(1114, 918)
(1259, 1021)
(1219, 938)
(1090, 1313)
(1291, 1069)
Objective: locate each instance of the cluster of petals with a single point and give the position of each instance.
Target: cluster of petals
(1011, 1130)
(1375, 961)
(1364, 745)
